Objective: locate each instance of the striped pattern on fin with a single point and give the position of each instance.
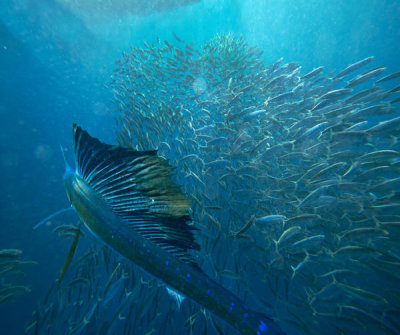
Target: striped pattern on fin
(137, 186)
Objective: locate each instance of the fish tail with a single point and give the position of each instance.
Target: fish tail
(262, 324)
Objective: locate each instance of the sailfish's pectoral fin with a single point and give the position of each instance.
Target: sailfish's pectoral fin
(70, 255)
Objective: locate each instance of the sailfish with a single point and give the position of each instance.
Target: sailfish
(127, 199)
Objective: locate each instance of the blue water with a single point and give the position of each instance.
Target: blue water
(55, 60)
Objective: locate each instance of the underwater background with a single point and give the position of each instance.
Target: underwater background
(62, 62)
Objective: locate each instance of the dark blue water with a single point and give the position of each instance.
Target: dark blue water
(55, 60)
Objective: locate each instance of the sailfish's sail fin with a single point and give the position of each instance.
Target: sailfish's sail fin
(137, 186)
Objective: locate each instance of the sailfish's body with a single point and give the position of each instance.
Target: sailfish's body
(127, 199)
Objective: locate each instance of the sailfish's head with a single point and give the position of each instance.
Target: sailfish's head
(69, 177)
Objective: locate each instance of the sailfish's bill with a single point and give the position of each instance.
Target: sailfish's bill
(128, 200)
